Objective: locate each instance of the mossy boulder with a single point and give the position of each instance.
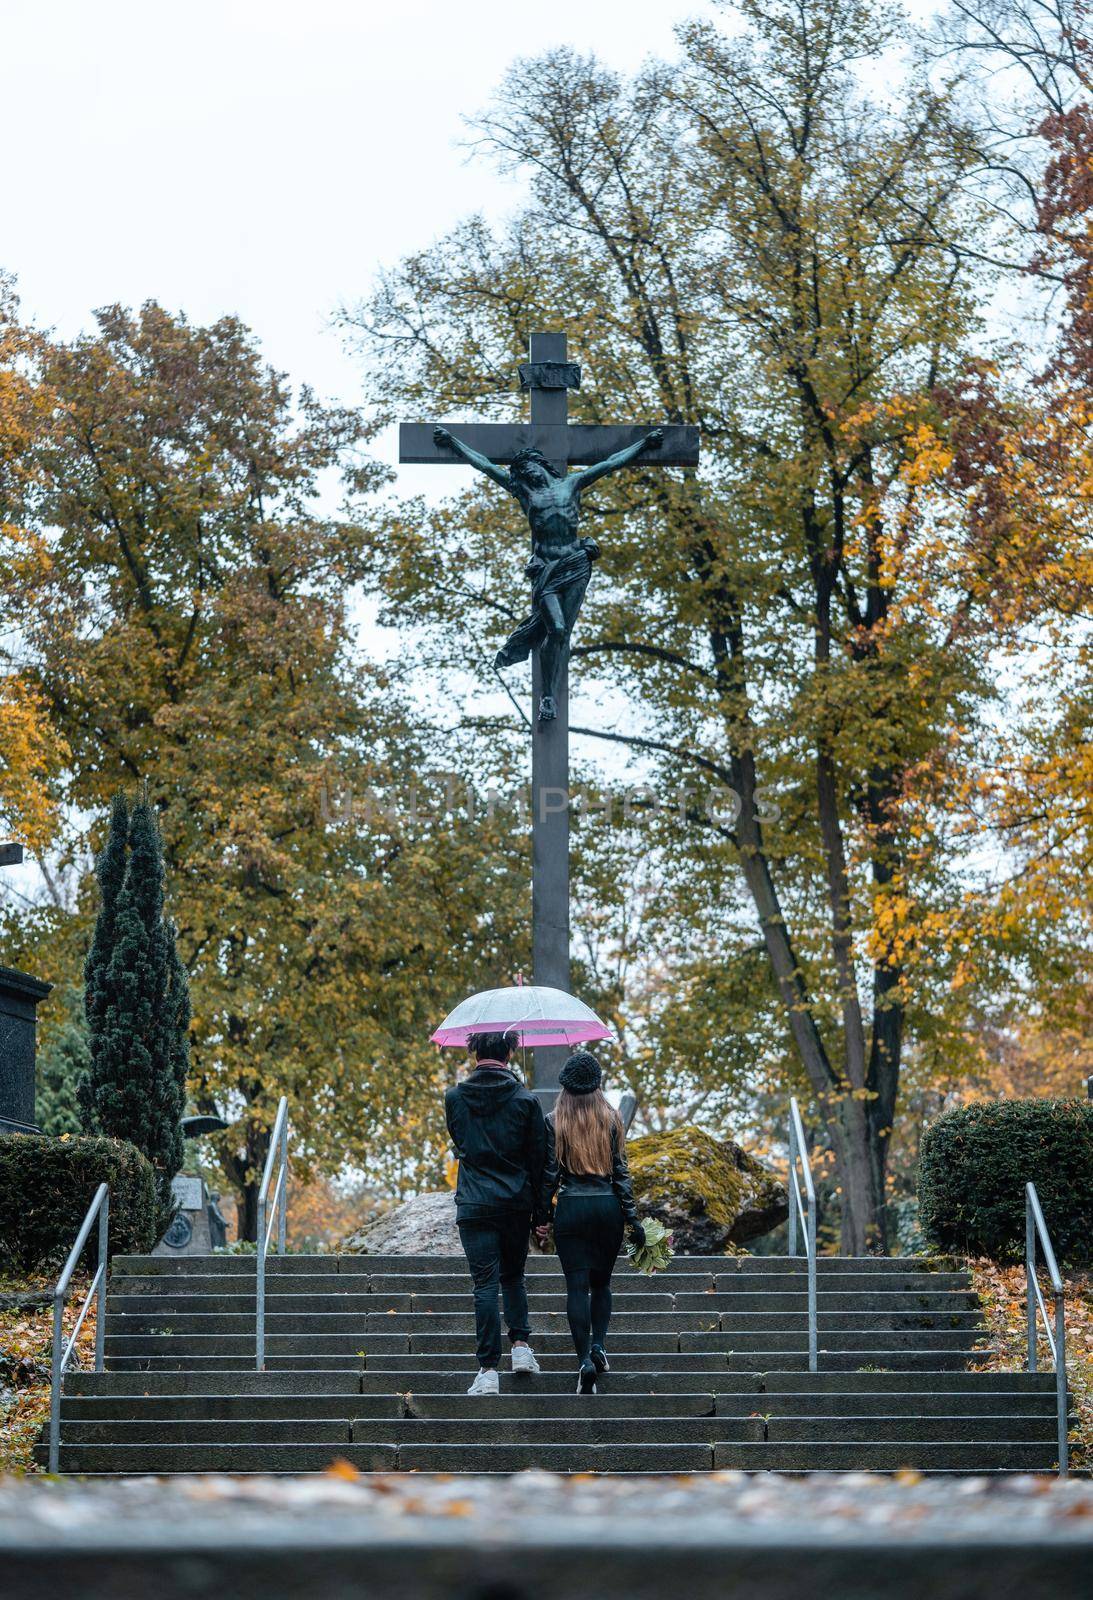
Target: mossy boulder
(709, 1192)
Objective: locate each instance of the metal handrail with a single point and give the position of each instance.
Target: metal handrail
(1036, 1230)
(798, 1152)
(278, 1213)
(100, 1207)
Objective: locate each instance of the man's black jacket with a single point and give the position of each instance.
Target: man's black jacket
(499, 1135)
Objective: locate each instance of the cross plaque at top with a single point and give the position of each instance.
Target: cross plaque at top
(548, 376)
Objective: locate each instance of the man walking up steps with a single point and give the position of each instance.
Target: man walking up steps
(499, 1134)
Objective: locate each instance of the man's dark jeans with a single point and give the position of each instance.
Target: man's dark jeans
(496, 1247)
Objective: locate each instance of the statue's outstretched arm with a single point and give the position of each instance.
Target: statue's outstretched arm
(621, 458)
(481, 463)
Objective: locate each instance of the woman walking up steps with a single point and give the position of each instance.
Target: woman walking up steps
(586, 1168)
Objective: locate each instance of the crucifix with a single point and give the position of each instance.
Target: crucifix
(539, 456)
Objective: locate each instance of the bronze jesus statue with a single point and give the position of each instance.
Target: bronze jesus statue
(561, 561)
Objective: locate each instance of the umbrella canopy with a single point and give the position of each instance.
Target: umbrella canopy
(538, 1014)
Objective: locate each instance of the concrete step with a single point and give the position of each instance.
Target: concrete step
(960, 1385)
(828, 1455)
(650, 1326)
(399, 1288)
(172, 1266)
(364, 1343)
(408, 1366)
(531, 1401)
(594, 1426)
(178, 1301)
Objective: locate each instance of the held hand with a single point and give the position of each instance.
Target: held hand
(637, 1235)
(442, 437)
(655, 439)
(542, 1233)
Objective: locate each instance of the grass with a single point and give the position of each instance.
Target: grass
(1002, 1293)
(26, 1339)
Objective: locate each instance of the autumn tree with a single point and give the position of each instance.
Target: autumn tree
(193, 634)
(1015, 482)
(30, 748)
(749, 241)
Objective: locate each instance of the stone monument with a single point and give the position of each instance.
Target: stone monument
(189, 1233)
(20, 996)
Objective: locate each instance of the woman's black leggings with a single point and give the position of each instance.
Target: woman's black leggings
(588, 1231)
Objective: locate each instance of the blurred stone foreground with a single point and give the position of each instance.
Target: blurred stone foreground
(538, 1536)
(711, 1194)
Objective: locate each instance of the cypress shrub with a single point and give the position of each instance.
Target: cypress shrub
(46, 1186)
(973, 1166)
(137, 1002)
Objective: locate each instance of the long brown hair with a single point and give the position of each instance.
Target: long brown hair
(583, 1128)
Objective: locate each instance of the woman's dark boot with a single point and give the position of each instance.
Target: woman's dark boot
(599, 1358)
(586, 1378)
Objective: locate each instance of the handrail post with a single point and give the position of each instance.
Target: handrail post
(1037, 1236)
(55, 1383)
(276, 1210)
(100, 1296)
(1030, 1272)
(282, 1225)
(813, 1338)
(792, 1186)
(260, 1289)
(100, 1206)
(798, 1151)
(1061, 1398)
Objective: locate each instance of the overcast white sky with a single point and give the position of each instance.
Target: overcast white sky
(259, 156)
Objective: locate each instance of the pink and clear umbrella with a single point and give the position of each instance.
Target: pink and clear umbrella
(538, 1014)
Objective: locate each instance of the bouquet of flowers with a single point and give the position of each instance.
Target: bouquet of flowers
(655, 1254)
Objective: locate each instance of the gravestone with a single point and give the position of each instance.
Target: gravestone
(189, 1233)
(20, 995)
(199, 1226)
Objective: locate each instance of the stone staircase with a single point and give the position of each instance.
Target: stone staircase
(369, 1357)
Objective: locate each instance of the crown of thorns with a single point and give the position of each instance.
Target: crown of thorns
(529, 457)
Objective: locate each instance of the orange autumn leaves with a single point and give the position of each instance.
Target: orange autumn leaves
(31, 751)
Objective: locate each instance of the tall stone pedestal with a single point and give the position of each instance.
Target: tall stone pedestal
(20, 995)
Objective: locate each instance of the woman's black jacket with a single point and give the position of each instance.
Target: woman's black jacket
(559, 1180)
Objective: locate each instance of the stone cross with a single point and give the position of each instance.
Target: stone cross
(547, 377)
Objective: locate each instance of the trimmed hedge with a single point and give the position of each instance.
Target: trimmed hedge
(973, 1167)
(46, 1186)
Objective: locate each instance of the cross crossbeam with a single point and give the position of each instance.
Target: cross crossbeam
(566, 444)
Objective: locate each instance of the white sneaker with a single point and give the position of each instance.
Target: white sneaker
(486, 1382)
(523, 1359)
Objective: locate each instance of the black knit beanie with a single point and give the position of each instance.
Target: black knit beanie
(581, 1073)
